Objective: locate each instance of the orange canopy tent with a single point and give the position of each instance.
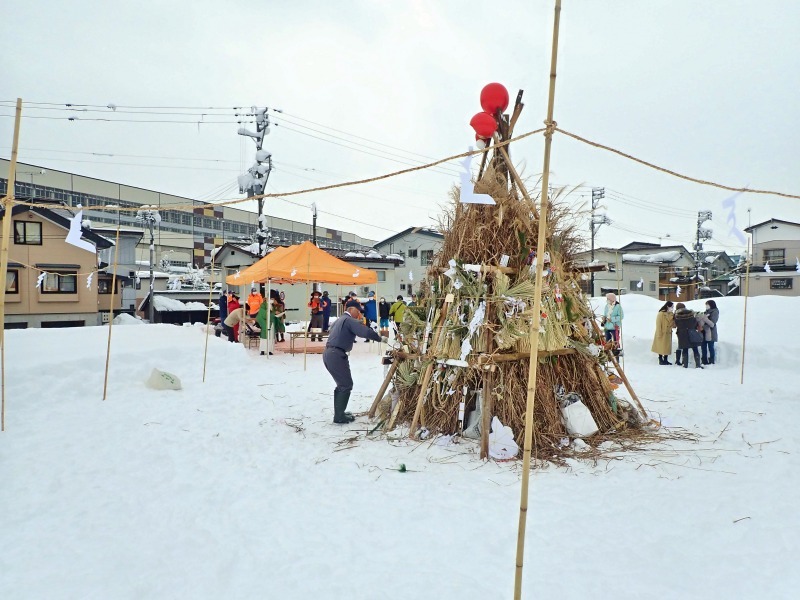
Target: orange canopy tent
(255, 272)
(301, 264)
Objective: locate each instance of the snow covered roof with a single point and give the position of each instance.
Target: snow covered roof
(162, 304)
(658, 257)
(157, 274)
(354, 255)
(711, 258)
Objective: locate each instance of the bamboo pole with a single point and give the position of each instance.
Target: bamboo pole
(308, 328)
(533, 334)
(8, 202)
(208, 318)
(111, 312)
(486, 410)
(744, 327)
(610, 355)
(429, 370)
(386, 381)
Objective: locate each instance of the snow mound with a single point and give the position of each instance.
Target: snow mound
(126, 319)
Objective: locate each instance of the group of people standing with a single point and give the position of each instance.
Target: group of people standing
(232, 315)
(695, 330)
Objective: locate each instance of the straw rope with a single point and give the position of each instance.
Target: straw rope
(674, 173)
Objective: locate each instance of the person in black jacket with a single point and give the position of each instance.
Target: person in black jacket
(383, 315)
(688, 336)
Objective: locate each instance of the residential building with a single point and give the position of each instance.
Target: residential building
(50, 283)
(642, 268)
(418, 246)
(719, 272)
(775, 258)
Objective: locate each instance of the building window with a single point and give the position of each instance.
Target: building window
(663, 292)
(381, 275)
(612, 267)
(775, 256)
(402, 286)
(60, 283)
(634, 286)
(652, 286)
(103, 286)
(426, 257)
(412, 253)
(12, 281)
(783, 283)
(26, 232)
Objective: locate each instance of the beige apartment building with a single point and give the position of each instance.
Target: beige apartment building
(776, 254)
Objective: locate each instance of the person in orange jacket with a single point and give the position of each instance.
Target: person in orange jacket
(315, 304)
(254, 301)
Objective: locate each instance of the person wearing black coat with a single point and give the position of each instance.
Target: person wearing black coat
(688, 336)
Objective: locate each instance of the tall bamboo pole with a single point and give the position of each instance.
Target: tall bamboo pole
(744, 327)
(533, 334)
(208, 318)
(8, 202)
(111, 311)
(308, 329)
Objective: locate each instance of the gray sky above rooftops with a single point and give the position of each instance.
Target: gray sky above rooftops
(704, 88)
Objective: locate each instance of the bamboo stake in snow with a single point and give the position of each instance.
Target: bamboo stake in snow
(208, 319)
(533, 334)
(9, 206)
(111, 311)
(744, 328)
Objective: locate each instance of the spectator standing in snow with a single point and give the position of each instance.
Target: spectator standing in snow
(254, 301)
(234, 318)
(688, 336)
(397, 311)
(277, 315)
(662, 341)
(326, 311)
(335, 357)
(316, 315)
(612, 320)
(261, 319)
(709, 322)
(223, 311)
(371, 309)
(383, 313)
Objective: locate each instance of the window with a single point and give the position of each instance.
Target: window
(612, 267)
(103, 286)
(634, 285)
(776, 256)
(426, 258)
(12, 281)
(60, 283)
(663, 292)
(403, 286)
(652, 286)
(381, 275)
(26, 232)
(412, 253)
(784, 283)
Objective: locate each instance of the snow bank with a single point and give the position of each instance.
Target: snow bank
(126, 319)
(658, 257)
(164, 304)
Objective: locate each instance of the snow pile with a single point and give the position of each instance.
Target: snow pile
(395, 257)
(354, 255)
(126, 319)
(658, 257)
(162, 304)
(194, 493)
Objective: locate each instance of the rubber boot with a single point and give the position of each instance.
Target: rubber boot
(686, 359)
(666, 359)
(697, 364)
(678, 358)
(660, 359)
(340, 400)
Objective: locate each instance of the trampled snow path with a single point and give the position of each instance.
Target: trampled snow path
(212, 492)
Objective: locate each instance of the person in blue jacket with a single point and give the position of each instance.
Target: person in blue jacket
(326, 311)
(371, 309)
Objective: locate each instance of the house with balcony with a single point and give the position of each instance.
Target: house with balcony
(775, 259)
(50, 283)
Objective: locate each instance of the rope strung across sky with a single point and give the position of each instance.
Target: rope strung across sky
(554, 127)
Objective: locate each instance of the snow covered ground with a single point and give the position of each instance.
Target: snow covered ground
(241, 487)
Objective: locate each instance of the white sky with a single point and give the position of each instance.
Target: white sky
(703, 88)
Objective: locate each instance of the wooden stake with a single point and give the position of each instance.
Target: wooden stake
(486, 410)
(533, 334)
(613, 359)
(8, 203)
(208, 318)
(386, 381)
(111, 311)
(744, 327)
(516, 177)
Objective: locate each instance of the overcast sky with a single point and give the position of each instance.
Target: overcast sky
(704, 88)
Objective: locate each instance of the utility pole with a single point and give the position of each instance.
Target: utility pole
(147, 215)
(254, 182)
(314, 223)
(703, 234)
(597, 195)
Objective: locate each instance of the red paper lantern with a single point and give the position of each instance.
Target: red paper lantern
(484, 125)
(494, 97)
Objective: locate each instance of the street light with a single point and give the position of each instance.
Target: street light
(149, 216)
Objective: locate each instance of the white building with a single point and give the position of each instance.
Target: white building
(776, 247)
(418, 246)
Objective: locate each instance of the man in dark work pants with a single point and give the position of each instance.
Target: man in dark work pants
(340, 341)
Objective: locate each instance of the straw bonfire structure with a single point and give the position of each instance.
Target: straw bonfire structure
(466, 345)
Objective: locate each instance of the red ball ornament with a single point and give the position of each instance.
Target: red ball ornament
(484, 125)
(494, 97)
